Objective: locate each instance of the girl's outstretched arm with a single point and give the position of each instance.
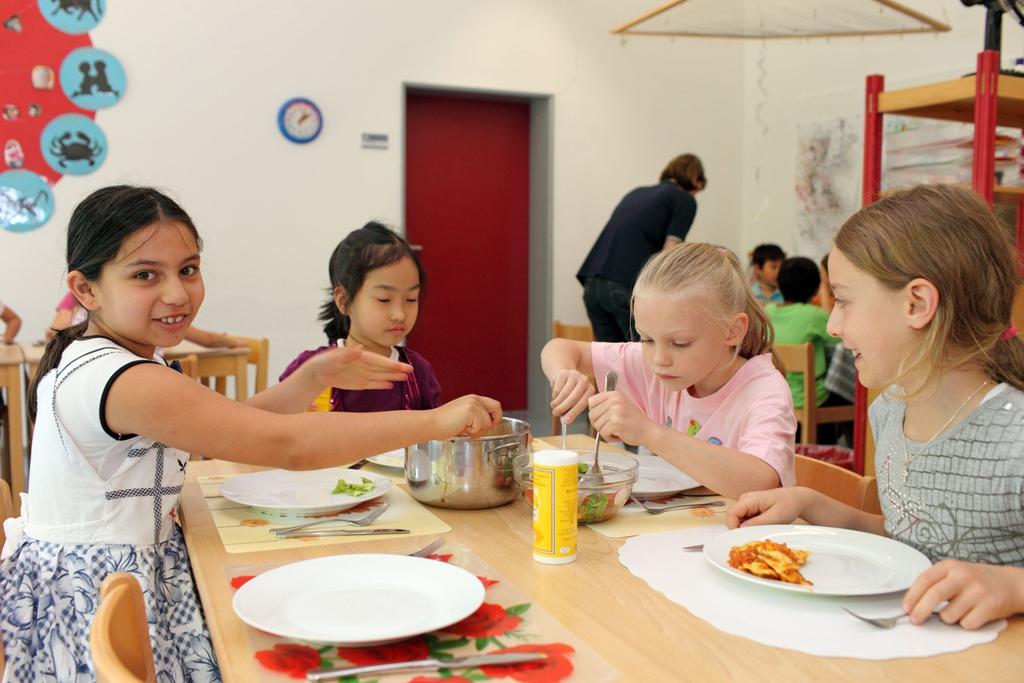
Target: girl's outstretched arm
(161, 404)
(344, 368)
(568, 366)
(786, 505)
(12, 324)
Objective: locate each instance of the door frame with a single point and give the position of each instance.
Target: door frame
(540, 277)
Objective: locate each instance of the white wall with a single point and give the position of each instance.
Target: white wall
(814, 80)
(206, 80)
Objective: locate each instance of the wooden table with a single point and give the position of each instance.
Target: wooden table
(217, 362)
(636, 629)
(11, 360)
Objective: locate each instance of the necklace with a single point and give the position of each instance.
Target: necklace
(908, 458)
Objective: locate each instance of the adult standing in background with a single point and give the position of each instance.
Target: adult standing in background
(647, 220)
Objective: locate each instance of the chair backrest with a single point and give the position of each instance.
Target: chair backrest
(848, 487)
(800, 358)
(6, 507)
(189, 365)
(575, 332)
(259, 355)
(119, 636)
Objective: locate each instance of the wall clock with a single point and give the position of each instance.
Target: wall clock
(300, 120)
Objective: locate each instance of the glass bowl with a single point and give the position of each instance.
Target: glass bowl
(595, 502)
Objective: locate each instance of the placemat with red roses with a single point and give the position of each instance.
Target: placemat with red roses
(507, 621)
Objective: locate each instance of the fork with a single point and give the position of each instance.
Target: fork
(427, 549)
(882, 622)
(365, 520)
(680, 506)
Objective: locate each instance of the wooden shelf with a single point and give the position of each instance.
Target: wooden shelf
(954, 101)
(1008, 192)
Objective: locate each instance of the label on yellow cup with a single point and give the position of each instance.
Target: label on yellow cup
(554, 511)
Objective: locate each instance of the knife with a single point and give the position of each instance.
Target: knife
(427, 665)
(341, 532)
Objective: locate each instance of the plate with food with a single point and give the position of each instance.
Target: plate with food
(358, 600)
(395, 458)
(818, 560)
(311, 492)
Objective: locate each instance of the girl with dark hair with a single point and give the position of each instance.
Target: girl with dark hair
(376, 285)
(114, 428)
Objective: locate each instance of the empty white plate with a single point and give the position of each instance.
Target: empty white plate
(358, 600)
(658, 479)
(394, 458)
(284, 492)
(842, 562)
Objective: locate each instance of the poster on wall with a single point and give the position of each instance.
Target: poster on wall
(26, 201)
(828, 181)
(73, 144)
(92, 79)
(72, 16)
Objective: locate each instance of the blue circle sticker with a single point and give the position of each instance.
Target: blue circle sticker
(72, 16)
(73, 144)
(92, 79)
(26, 201)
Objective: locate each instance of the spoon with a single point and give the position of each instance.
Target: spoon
(594, 476)
(565, 434)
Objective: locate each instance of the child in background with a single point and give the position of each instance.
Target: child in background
(114, 427)
(766, 259)
(924, 282)
(70, 313)
(826, 297)
(12, 323)
(700, 388)
(376, 285)
(797, 321)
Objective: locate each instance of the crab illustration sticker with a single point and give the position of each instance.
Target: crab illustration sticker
(72, 16)
(92, 78)
(26, 201)
(73, 144)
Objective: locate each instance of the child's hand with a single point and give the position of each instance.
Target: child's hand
(569, 393)
(468, 416)
(774, 506)
(977, 593)
(356, 368)
(616, 417)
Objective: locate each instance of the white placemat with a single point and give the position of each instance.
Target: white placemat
(815, 625)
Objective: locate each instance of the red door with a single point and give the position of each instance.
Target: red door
(467, 203)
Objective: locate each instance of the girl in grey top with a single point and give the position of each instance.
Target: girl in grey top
(925, 281)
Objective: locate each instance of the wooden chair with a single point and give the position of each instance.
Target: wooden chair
(259, 356)
(800, 358)
(856, 490)
(119, 636)
(6, 511)
(189, 366)
(584, 333)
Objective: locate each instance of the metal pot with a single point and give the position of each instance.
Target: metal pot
(468, 473)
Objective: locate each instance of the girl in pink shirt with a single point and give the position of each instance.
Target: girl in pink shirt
(700, 388)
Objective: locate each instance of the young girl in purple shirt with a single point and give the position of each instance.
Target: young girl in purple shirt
(376, 285)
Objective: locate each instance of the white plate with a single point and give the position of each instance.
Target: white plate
(283, 492)
(394, 458)
(660, 481)
(358, 600)
(842, 562)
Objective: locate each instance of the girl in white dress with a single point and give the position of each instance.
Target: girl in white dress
(115, 425)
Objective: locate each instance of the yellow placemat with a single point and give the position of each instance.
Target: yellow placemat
(244, 530)
(633, 520)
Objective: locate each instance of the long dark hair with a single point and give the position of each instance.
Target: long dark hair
(368, 248)
(98, 226)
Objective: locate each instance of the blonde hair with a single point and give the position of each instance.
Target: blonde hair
(948, 236)
(695, 265)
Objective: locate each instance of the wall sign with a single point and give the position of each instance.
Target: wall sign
(72, 16)
(92, 79)
(73, 144)
(26, 201)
